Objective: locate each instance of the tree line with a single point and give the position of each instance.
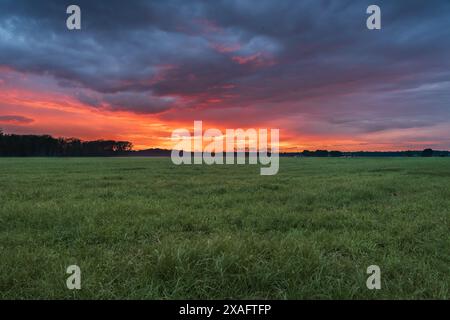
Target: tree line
(14, 145)
(410, 153)
(47, 146)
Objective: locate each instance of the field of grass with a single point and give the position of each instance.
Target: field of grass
(143, 228)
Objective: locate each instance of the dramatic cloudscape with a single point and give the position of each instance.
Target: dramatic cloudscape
(139, 69)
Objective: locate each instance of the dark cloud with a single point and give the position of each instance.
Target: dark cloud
(296, 57)
(138, 102)
(14, 119)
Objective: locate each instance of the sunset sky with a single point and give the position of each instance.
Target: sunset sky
(139, 69)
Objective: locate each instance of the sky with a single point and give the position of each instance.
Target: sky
(137, 70)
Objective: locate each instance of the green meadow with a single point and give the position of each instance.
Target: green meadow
(143, 228)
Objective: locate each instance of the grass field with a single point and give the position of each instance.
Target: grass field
(144, 228)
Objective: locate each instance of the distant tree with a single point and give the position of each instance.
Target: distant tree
(307, 153)
(321, 153)
(336, 154)
(1, 142)
(45, 145)
(427, 153)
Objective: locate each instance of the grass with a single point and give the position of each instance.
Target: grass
(143, 228)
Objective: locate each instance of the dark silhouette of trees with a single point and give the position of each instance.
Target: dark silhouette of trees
(321, 153)
(427, 153)
(409, 153)
(13, 145)
(308, 153)
(45, 145)
(336, 154)
(317, 153)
